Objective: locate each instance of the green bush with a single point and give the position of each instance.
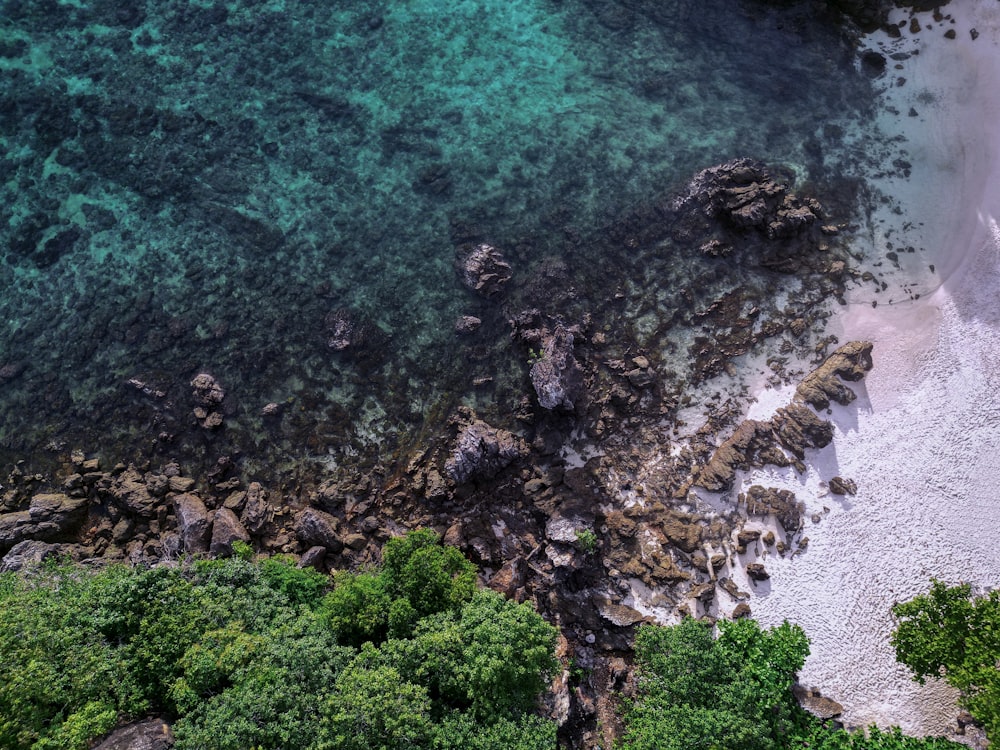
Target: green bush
(238, 654)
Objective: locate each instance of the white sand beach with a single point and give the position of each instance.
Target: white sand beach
(922, 440)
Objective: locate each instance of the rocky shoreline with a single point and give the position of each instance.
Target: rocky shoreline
(589, 499)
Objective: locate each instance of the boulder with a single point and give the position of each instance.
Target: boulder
(314, 527)
(193, 522)
(482, 269)
(770, 501)
(226, 529)
(257, 513)
(28, 554)
(841, 486)
(130, 492)
(49, 517)
(149, 734)
(481, 451)
(206, 390)
(756, 572)
(467, 324)
(556, 375)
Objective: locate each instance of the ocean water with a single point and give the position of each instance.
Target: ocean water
(204, 186)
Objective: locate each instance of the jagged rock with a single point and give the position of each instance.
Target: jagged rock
(556, 376)
(744, 538)
(467, 324)
(482, 269)
(767, 501)
(739, 451)
(481, 451)
(509, 578)
(682, 530)
(850, 362)
(193, 522)
(130, 492)
(180, 484)
(207, 390)
(756, 572)
(27, 554)
(841, 486)
(798, 427)
(741, 610)
(256, 511)
(356, 542)
(314, 527)
(226, 529)
(49, 516)
(150, 734)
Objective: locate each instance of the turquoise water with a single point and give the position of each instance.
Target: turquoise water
(203, 187)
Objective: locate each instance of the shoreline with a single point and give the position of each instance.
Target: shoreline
(919, 438)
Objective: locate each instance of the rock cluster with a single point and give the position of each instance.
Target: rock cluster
(481, 451)
(482, 269)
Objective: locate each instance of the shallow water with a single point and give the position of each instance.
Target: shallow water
(193, 187)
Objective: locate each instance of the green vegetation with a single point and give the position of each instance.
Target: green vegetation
(696, 692)
(586, 541)
(241, 654)
(947, 633)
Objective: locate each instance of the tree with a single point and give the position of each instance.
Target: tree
(948, 633)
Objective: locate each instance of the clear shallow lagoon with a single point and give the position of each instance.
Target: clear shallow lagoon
(193, 187)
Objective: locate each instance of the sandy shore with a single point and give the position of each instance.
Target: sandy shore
(922, 441)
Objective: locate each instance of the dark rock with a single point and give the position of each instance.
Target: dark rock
(150, 734)
(256, 511)
(482, 269)
(741, 610)
(819, 706)
(739, 451)
(314, 557)
(340, 329)
(180, 484)
(314, 527)
(797, 428)
(193, 523)
(556, 376)
(28, 554)
(841, 486)
(619, 614)
(510, 577)
(226, 529)
(756, 572)
(48, 518)
(356, 542)
(481, 451)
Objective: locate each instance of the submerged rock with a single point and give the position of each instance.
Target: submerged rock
(206, 390)
(482, 269)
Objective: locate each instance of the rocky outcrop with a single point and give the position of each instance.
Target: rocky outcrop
(257, 513)
(208, 395)
(794, 428)
(27, 554)
(193, 522)
(226, 529)
(555, 375)
(850, 362)
(769, 501)
(481, 451)
(131, 492)
(314, 527)
(482, 269)
(50, 516)
(150, 734)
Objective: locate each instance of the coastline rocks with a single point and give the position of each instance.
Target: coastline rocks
(193, 523)
(48, 517)
(769, 501)
(481, 451)
(482, 269)
(315, 528)
(226, 529)
(850, 362)
(257, 513)
(556, 376)
(27, 554)
(841, 486)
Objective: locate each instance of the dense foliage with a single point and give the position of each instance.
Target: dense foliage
(242, 654)
(951, 634)
(734, 692)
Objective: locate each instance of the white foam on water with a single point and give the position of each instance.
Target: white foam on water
(922, 441)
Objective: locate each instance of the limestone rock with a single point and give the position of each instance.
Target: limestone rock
(150, 734)
(481, 451)
(483, 269)
(556, 375)
(314, 527)
(226, 529)
(193, 523)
